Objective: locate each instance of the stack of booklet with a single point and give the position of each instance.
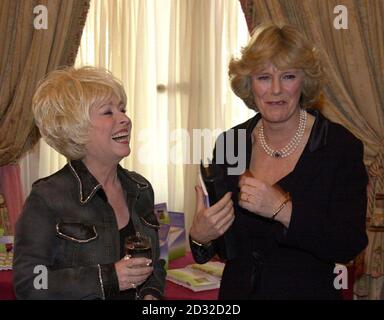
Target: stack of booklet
(198, 277)
(6, 260)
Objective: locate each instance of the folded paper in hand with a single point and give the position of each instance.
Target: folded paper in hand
(213, 183)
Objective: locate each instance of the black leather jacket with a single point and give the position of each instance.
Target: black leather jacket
(68, 226)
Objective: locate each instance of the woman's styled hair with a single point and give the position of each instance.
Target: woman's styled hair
(286, 48)
(62, 102)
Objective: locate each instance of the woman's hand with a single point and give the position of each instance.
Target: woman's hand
(260, 197)
(210, 223)
(132, 272)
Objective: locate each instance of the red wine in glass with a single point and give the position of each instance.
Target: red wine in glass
(138, 246)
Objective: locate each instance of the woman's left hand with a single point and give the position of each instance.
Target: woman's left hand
(259, 197)
(149, 297)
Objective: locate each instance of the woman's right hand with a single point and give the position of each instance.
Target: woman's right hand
(210, 223)
(132, 272)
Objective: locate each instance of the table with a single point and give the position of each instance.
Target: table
(6, 286)
(174, 291)
(177, 292)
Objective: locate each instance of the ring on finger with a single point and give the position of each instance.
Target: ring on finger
(133, 285)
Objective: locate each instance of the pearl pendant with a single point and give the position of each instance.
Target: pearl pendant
(276, 154)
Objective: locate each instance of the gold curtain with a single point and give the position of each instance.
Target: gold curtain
(4, 219)
(26, 55)
(354, 60)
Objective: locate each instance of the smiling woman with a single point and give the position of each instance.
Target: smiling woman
(110, 132)
(75, 221)
(300, 206)
(64, 102)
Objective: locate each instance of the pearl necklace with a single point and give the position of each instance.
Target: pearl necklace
(292, 145)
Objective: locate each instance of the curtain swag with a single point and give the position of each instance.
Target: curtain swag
(27, 55)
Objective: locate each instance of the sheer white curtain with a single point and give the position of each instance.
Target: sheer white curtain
(172, 57)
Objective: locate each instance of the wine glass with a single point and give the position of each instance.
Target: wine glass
(138, 246)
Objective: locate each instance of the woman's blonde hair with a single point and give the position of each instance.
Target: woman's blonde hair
(62, 102)
(286, 48)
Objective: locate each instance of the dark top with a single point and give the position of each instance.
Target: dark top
(265, 260)
(125, 232)
(128, 230)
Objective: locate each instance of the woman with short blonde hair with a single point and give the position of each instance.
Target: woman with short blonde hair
(75, 222)
(62, 103)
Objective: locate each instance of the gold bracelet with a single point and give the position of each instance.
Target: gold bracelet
(201, 244)
(287, 199)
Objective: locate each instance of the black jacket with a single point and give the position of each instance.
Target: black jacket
(328, 189)
(68, 226)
